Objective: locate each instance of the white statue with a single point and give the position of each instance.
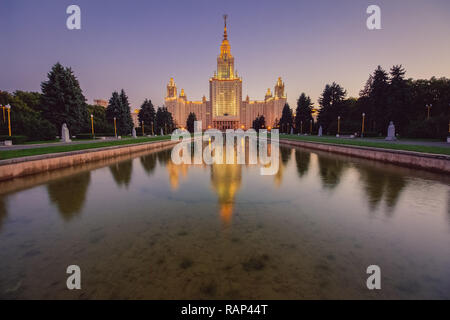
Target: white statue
(320, 131)
(133, 132)
(65, 136)
(391, 132)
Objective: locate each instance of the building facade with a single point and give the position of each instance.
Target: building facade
(225, 108)
(101, 102)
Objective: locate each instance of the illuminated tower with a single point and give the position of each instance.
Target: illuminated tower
(171, 90)
(279, 89)
(225, 88)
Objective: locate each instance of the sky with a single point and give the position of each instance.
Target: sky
(138, 45)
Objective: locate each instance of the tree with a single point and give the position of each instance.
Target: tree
(147, 114)
(164, 121)
(25, 120)
(259, 123)
(398, 102)
(126, 113)
(190, 122)
(119, 108)
(303, 113)
(101, 124)
(331, 104)
(63, 100)
(378, 98)
(286, 120)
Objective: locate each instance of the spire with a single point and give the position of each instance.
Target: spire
(225, 47)
(225, 16)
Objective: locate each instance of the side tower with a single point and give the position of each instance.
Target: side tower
(171, 102)
(225, 88)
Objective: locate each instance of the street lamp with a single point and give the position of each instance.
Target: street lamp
(8, 108)
(115, 128)
(339, 126)
(92, 125)
(4, 118)
(362, 127)
(428, 113)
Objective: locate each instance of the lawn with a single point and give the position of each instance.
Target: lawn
(9, 154)
(374, 144)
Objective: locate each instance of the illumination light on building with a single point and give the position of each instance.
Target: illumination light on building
(225, 108)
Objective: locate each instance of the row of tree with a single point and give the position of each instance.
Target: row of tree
(39, 116)
(155, 122)
(384, 98)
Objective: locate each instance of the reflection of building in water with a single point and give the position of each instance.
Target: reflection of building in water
(175, 171)
(226, 181)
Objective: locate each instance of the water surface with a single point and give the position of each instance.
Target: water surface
(144, 228)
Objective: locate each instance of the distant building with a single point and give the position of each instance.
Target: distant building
(226, 109)
(101, 102)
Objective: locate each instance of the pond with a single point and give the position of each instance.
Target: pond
(141, 227)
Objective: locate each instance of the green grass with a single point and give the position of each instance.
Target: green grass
(40, 142)
(373, 144)
(9, 154)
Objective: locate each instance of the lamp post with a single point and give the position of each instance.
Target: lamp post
(8, 108)
(4, 119)
(362, 127)
(339, 126)
(428, 110)
(92, 126)
(310, 127)
(115, 128)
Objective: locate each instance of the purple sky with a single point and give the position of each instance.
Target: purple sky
(139, 45)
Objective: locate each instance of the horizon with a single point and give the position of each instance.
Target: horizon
(151, 48)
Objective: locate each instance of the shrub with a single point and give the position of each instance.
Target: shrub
(84, 136)
(15, 139)
(436, 128)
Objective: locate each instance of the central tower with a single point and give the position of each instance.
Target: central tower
(225, 88)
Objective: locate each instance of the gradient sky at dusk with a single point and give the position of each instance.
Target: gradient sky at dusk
(139, 45)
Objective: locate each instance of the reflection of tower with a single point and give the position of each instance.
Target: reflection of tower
(175, 170)
(226, 181)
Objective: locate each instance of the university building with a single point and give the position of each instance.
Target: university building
(225, 108)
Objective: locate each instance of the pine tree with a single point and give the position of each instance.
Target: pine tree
(190, 122)
(147, 114)
(259, 123)
(164, 121)
(303, 113)
(126, 120)
(331, 104)
(399, 100)
(286, 121)
(378, 99)
(119, 108)
(63, 100)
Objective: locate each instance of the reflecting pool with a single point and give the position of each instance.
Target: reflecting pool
(142, 227)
